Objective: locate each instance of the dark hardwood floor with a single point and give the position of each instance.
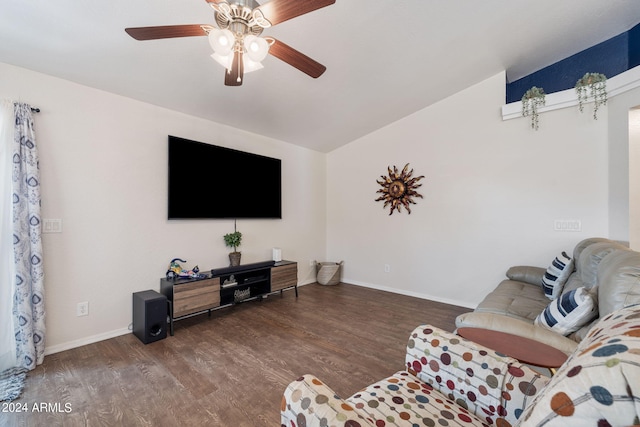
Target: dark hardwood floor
(230, 369)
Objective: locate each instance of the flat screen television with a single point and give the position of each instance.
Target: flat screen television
(207, 181)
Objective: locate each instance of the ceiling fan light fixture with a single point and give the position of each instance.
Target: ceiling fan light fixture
(257, 48)
(224, 60)
(221, 41)
(236, 41)
(251, 65)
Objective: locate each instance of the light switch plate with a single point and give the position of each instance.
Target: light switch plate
(567, 225)
(51, 225)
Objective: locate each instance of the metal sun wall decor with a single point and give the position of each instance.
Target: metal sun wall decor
(398, 189)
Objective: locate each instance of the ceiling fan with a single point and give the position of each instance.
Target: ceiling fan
(236, 40)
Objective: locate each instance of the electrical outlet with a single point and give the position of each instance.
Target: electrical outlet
(387, 268)
(82, 309)
(312, 263)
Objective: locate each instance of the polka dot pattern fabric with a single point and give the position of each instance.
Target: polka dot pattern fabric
(600, 383)
(404, 400)
(450, 381)
(491, 386)
(309, 402)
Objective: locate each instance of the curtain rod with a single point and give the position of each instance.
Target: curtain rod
(33, 109)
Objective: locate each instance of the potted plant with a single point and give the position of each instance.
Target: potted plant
(233, 240)
(531, 101)
(596, 83)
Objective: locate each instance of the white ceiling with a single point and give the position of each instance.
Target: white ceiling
(385, 59)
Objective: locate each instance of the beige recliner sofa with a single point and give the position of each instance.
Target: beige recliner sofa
(607, 269)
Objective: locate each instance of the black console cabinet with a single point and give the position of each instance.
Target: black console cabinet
(225, 286)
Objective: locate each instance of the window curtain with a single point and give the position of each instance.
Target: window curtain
(21, 273)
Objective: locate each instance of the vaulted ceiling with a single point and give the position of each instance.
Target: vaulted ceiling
(385, 59)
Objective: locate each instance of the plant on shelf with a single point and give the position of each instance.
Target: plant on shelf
(533, 99)
(596, 84)
(233, 240)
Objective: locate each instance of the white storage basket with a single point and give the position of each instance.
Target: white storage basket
(328, 273)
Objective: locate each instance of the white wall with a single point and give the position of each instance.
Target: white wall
(623, 187)
(634, 178)
(103, 164)
(492, 190)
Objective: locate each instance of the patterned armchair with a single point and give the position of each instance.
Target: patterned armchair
(450, 381)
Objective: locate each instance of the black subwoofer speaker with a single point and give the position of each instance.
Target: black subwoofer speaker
(149, 316)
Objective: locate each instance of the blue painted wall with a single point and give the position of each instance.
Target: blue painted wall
(610, 58)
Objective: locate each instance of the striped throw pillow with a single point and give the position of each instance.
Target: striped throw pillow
(570, 312)
(556, 275)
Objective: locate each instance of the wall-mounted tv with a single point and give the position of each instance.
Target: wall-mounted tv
(207, 181)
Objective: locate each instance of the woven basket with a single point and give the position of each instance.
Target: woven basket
(328, 273)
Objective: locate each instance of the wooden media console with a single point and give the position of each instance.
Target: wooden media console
(226, 286)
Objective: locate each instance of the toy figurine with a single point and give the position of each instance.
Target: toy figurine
(175, 270)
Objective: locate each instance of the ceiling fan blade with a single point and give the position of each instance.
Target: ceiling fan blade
(296, 59)
(277, 11)
(166, 32)
(234, 76)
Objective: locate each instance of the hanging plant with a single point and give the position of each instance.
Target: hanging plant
(596, 83)
(533, 99)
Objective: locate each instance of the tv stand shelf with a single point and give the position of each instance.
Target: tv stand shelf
(226, 286)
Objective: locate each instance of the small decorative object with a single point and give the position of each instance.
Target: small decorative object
(328, 273)
(175, 270)
(233, 240)
(398, 189)
(533, 99)
(231, 281)
(596, 83)
(241, 295)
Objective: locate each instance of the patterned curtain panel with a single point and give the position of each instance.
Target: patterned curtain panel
(28, 307)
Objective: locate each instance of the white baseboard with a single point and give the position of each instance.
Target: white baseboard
(103, 336)
(123, 331)
(409, 293)
(84, 341)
